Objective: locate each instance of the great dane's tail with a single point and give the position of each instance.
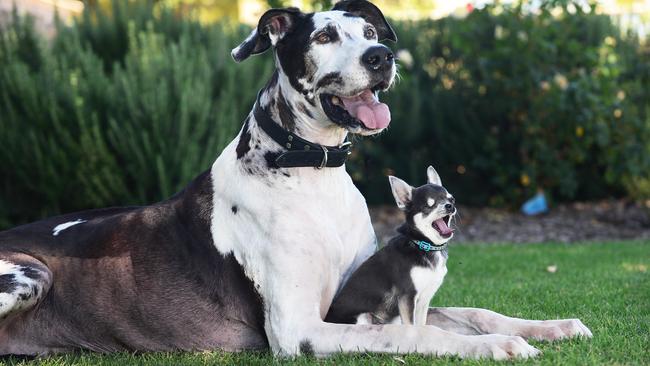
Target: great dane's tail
(24, 281)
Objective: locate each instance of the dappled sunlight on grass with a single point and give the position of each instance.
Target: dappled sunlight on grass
(635, 267)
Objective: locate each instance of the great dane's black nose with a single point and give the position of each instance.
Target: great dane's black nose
(378, 58)
(450, 208)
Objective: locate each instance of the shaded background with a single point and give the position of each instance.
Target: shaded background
(124, 102)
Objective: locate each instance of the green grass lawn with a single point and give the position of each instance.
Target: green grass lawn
(607, 286)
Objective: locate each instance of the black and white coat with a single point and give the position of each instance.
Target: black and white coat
(397, 283)
(394, 286)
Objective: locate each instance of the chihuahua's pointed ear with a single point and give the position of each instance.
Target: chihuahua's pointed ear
(272, 26)
(402, 191)
(433, 177)
(371, 14)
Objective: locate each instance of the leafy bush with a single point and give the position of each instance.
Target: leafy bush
(504, 103)
(126, 106)
(629, 155)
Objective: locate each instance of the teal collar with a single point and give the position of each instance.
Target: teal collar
(428, 247)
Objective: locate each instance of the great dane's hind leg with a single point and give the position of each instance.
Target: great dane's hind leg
(472, 321)
(24, 281)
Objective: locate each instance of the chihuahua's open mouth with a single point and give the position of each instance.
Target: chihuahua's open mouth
(363, 109)
(442, 226)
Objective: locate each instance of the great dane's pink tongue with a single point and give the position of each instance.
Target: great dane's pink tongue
(368, 110)
(442, 226)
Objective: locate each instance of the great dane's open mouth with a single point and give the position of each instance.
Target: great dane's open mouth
(362, 109)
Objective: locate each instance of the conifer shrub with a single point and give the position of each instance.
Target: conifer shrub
(130, 124)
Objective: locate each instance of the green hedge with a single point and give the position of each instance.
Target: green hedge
(127, 105)
(117, 110)
(504, 103)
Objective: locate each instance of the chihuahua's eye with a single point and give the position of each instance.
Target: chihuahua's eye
(323, 38)
(431, 202)
(370, 33)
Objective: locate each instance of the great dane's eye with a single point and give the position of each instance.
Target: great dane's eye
(323, 37)
(431, 202)
(370, 33)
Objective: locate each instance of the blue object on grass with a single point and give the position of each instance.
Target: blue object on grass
(535, 205)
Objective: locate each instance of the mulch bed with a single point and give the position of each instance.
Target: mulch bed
(599, 221)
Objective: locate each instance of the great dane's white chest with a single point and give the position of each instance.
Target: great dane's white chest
(298, 236)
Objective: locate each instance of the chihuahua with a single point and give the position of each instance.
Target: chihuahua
(398, 282)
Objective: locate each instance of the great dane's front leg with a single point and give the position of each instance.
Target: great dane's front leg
(322, 339)
(481, 321)
(294, 326)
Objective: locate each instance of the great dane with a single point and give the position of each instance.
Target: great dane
(251, 253)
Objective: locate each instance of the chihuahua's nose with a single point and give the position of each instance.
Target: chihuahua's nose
(450, 208)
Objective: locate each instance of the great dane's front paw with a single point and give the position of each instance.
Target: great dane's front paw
(551, 330)
(500, 347)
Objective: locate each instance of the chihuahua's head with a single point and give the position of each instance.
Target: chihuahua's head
(428, 209)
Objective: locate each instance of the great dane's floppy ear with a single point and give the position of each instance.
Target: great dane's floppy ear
(433, 177)
(371, 14)
(402, 191)
(273, 25)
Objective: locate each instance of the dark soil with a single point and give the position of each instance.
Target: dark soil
(601, 221)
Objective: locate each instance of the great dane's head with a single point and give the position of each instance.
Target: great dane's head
(332, 61)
